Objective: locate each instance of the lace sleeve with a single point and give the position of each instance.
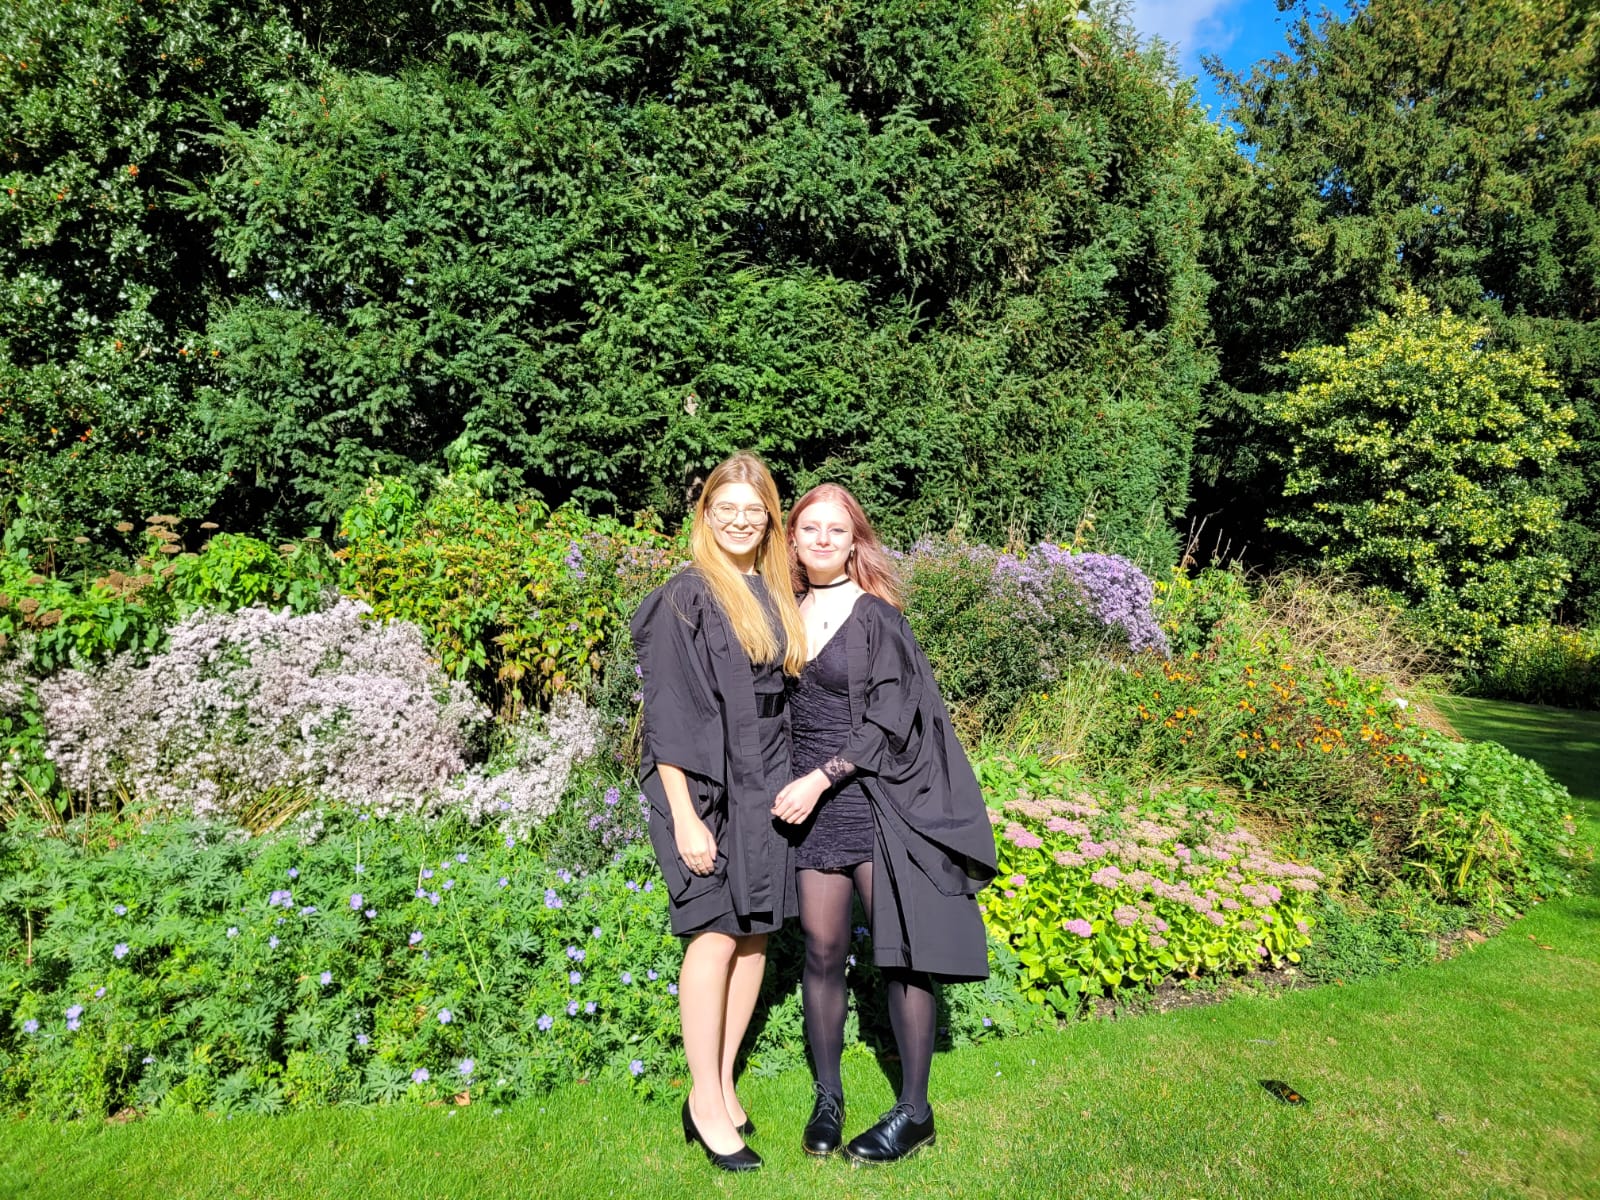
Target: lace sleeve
(836, 769)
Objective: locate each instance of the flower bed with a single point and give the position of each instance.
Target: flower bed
(1097, 892)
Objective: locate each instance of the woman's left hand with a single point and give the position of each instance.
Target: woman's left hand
(798, 798)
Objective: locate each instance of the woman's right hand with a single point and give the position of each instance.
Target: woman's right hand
(696, 846)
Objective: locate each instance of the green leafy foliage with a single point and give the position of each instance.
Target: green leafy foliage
(1541, 664)
(1099, 891)
(520, 601)
(1445, 146)
(1414, 455)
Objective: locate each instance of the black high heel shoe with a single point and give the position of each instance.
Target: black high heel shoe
(748, 1129)
(742, 1159)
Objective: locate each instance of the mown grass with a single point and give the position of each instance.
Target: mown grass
(1474, 1077)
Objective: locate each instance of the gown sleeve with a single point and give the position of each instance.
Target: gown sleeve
(895, 681)
(682, 711)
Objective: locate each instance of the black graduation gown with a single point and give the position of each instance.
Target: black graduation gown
(935, 847)
(701, 715)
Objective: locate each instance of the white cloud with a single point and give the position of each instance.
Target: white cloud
(1192, 25)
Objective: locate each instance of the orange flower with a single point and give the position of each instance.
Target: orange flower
(133, 170)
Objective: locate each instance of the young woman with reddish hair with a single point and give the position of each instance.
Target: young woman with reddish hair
(886, 806)
(715, 643)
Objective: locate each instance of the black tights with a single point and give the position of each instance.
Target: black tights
(825, 917)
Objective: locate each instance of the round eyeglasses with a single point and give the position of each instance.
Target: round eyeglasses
(727, 514)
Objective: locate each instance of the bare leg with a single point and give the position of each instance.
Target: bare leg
(702, 1008)
(744, 985)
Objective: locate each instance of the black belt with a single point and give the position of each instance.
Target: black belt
(771, 704)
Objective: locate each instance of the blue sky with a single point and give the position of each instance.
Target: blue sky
(1237, 31)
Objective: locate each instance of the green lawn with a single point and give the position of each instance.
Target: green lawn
(1474, 1077)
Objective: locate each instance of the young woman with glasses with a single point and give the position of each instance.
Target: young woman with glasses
(714, 644)
(887, 807)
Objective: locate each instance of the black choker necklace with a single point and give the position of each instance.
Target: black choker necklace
(822, 587)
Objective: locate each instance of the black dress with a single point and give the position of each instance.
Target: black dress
(721, 720)
(839, 833)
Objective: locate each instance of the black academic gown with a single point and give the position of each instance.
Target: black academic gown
(701, 715)
(935, 847)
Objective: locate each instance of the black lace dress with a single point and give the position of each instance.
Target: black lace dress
(839, 833)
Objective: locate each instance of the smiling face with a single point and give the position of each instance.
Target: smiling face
(738, 521)
(823, 538)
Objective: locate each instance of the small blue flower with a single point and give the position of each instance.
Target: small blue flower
(462, 857)
(448, 884)
(120, 951)
(99, 993)
(649, 885)
(637, 1067)
(30, 1026)
(361, 868)
(272, 942)
(420, 1075)
(504, 882)
(545, 1021)
(510, 841)
(551, 900)
(120, 909)
(233, 931)
(589, 1008)
(672, 989)
(433, 899)
(467, 1066)
(327, 978)
(564, 875)
(371, 914)
(357, 900)
(633, 885)
(572, 1009)
(427, 872)
(626, 977)
(446, 1016)
(308, 910)
(574, 978)
(294, 873)
(362, 1039)
(421, 893)
(651, 975)
(596, 932)
(416, 936)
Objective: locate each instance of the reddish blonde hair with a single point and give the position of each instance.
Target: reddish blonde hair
(869, 565)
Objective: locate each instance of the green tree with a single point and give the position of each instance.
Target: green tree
(1415, 455)
(1447, 146)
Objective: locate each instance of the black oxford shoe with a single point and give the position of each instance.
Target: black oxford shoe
(895, 1136)
(825, 1130)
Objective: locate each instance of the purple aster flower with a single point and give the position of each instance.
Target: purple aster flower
(551, 900)
(613, 796)
(357, 900)
(633, 886)
(327, 978)
(545, 1021)
(416, 936)
(272, 942)
(467, 1066)
(420, 1075)
(120, 909)
(649, 885)
(30, 1026)
(445, 1016)
(637, 1067)
(294, 872)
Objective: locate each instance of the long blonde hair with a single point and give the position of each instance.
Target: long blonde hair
(743, 610)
